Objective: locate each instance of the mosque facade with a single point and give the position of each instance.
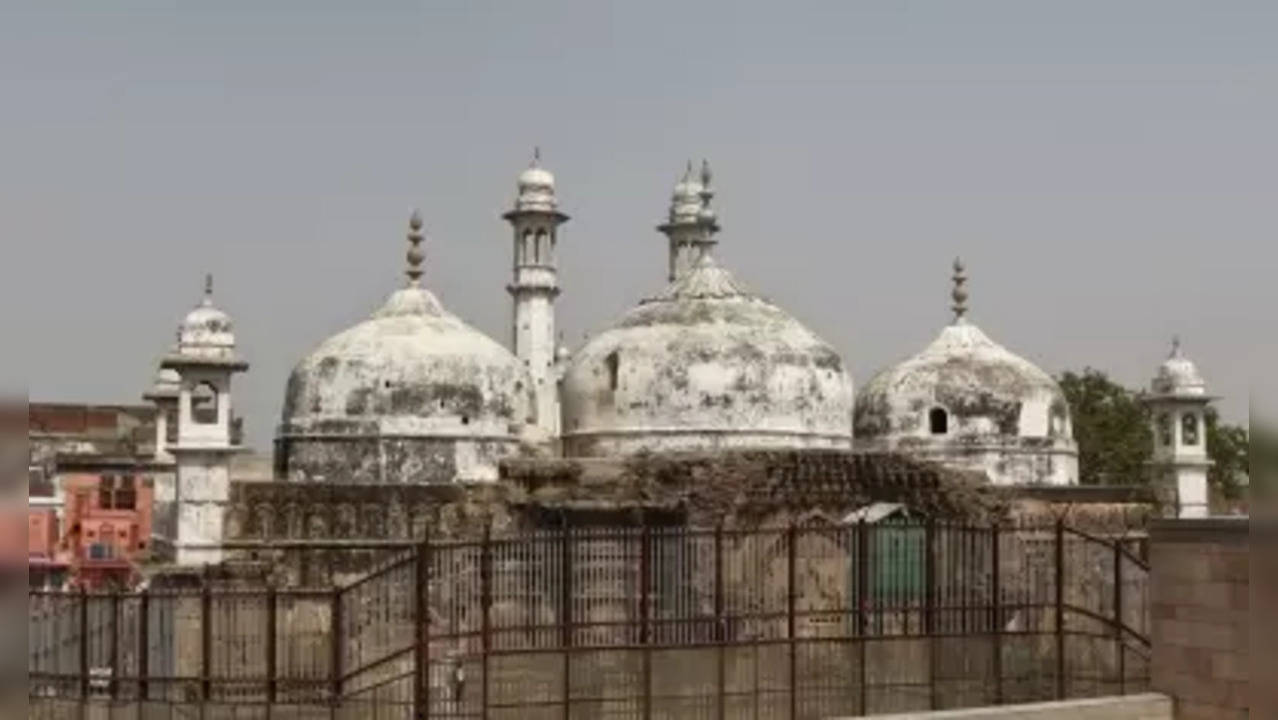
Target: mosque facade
(414, 396)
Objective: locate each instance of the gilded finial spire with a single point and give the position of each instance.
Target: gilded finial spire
(415, 254)
(959, 293)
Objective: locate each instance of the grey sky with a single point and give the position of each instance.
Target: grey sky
(1107, 169)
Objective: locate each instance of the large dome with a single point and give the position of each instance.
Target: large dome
(413, 394)
(706, 364)
(968, 400)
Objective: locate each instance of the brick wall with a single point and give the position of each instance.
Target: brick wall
(1199, 597)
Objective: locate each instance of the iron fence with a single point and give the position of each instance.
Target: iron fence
(800, 622)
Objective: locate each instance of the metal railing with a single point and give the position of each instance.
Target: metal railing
(797, 622)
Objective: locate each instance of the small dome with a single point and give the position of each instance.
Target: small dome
(165, 386)
(705, 365)
(981, 386)
(1178, 375)
(206, 333)
(536, 188)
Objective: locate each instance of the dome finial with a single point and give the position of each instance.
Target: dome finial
(208, 289)
(1175, 347)
(959, 293)
(536, 161)
(415, 255)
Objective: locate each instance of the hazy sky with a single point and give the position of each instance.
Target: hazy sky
(1107, 169)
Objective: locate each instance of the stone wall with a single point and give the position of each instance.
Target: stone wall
(1200, 602)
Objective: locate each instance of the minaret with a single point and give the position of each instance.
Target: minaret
(1178, 405)
(691, 225)
(535, 220)
(205, 359)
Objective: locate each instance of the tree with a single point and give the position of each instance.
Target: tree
(1111, 427)
(1228, 446)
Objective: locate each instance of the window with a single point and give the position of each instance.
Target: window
(939, 421)
(171, 425)
(613, 362)
(204, 404)
(1189, 429)
(117, 492)
(1165, 429)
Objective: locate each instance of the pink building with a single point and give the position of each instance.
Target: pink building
(106, 528)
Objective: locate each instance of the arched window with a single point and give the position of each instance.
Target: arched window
(939, 421)
(541, 246)
(525, 250)
(614, 367)
(1189, 429)
(204, 404)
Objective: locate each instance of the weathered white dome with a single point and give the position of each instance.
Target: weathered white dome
(413, 394)
(968, 400)
(536, 188)
(984, 388)
(1178, 375)
(411, 369)
(706, 364)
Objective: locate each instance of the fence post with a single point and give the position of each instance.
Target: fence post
(485, 602)
(996, 610)
(929, 607)
(144, 645)
(791, 625)
(114, 683)
(645, 628)
(206, 639)
(720, 632)
(1060, 608)
(272, 611)
(1119, 632)
(335, 647)
(421, 621)
(84, 643)
(862, 611)
(565, 615)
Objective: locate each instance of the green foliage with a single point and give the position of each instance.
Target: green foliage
(1228, 446)
(1111, 427)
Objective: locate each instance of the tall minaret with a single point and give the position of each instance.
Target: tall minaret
(535, 220)
(205, 359)
(691, 225)
(1178, 405)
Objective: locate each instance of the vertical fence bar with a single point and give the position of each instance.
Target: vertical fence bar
(996, 611)
(84, 643)
(206, 639)
(421, 624)
(645, 629)
(1060, 608)
(485, 619)
(862, 612)
(1119, 634)
(335, 647)
(929, 607)
(565, 611)
(114, 639)
(792, 536)
(144, 645)
(720, 631)
(272, 613)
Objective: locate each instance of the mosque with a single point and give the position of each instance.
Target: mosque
(414, 396)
